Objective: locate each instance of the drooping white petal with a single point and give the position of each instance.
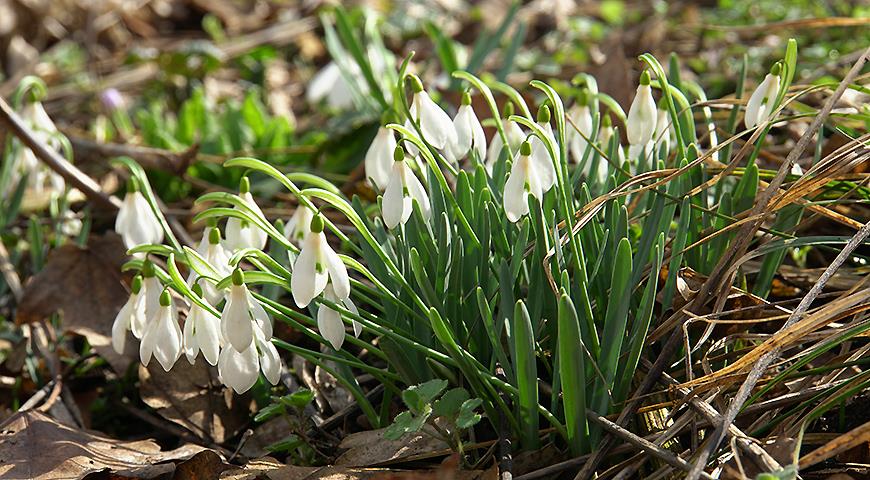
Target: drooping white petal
(330, 326)
(262, 321)
(417, 192)
(202, 333)
(463, 124)
(239, 370)
(243, 234)
(641, 122)
(299, 225)
(379, 158)
(435, 124)
(236, 324)
(760, 104)
(393, 202)
(357, 327)
(662, 135)
(337, 271)
(270, 361)
(150, 305)
(168, 338)
(122, 324)
(309, 278)
(582, 119)
(516, 203)
(541, 158)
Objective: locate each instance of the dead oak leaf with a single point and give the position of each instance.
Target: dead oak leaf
(86, 285)
(35, 446)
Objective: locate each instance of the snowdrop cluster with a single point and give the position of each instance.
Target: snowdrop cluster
(24, 164)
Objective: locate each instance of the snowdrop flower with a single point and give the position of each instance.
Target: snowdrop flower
(641, 122)
(214, 253)
(201, 333)
(581, 118)
(540, 156)
(761, 103)
(435, 124)
(329, 321)
(299, 225)
(514, 134)
(241, 233)
(132, 313)
(662, 135)
(379, 158)
(239, 370)
(317, 264)
(151, 290)
(242, 313)
(469, 132)
(163, 336)
(797, 170)
(34, 113)
(136, 222)
(527, 177)
(402, 190)
(329, 83)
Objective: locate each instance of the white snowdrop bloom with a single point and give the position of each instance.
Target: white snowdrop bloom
(163, 337)
(241, 314)
(540, 156)
(239, 370)
(435, 124)
(151, 290)
(213, 252)
(270, 361)
(329, 83)
(379, 157)
(514, 134)
(641, 122)
(136, 223)
(299, 225)
(35, 114)
(329, 321)
(797, 170)
(133, 312)
(241, 233)
(581, 118)
(404, 187)
(317, 264)
(202, 334)
(526, 178)
(469, 132)
(761, 104)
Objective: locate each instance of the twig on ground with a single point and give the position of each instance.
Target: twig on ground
(53, 159)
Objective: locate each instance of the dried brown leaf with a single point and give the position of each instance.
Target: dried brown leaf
(371, 448)
(35, 446)
(86, 285)
(192, 396)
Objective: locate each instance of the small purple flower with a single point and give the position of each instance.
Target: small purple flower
(112, 99)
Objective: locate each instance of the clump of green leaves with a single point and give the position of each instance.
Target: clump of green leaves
(433, 411)
(291, 408)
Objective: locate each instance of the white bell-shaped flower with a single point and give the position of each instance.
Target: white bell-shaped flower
(270, 361)
(133, 312)
(525, 179)
(299, 225)
(151, 291)
(581, 119)
(664, 131)
(329, 321)
(213, 252)
(761, 104)
(404, 187)
(136, 223)
(434, 122)
(379, 158)
(317, 264)
(241, 233)
(540, 156)
(241, 314)
(469, 132)
(163, 337)
(202, 333)
(512, 131)
(329, 83)
(34, 113)
(641, 122)
(239, 370)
